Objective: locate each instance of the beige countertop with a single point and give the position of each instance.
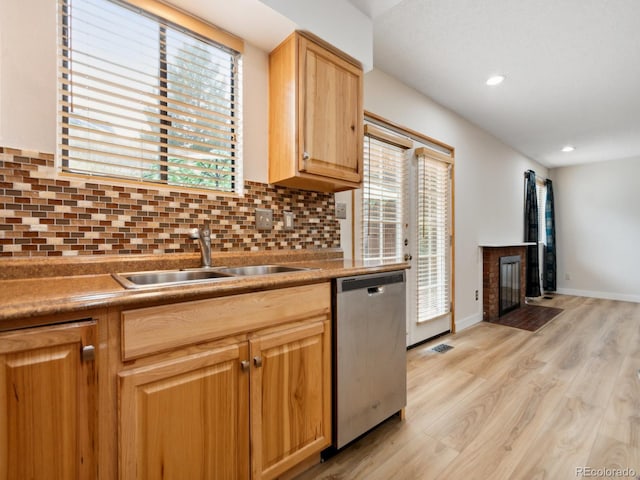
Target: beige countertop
(22, 298)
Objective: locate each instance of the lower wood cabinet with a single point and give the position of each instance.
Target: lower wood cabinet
(252, 405)
(290, 397)
(186, 418)
(48, 403)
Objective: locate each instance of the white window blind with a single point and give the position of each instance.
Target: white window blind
(434, 236)
(383, 194)
(144, 99)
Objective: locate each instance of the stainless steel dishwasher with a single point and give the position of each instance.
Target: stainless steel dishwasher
(370, 379)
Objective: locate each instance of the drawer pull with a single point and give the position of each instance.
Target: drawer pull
(257, 361)
(88, 353)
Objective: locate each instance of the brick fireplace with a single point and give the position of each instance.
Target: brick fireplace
(491, 255)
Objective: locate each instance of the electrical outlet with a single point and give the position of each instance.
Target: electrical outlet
(288, 220)
(341, 211)
(567, 276)
(264, 218)
(477, 295)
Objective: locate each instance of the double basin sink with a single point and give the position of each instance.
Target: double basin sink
(159, 278)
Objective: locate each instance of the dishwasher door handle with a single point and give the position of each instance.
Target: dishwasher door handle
(375, 291)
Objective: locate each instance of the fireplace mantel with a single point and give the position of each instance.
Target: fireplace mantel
(506, 245)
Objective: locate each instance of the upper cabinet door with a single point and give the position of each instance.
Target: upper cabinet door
(315, 116)
(330, 114)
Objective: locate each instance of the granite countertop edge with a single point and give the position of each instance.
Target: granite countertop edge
(34, 297)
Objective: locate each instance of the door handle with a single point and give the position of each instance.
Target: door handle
(375, 291)
(88, 353)
(257, 361)
(244, 365)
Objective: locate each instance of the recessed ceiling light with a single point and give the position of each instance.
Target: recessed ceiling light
(495, 80)
(568, 148)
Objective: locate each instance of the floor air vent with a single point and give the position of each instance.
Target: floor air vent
(442, 348)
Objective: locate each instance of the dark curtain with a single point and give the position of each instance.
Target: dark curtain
(531, 235)
(549, 276)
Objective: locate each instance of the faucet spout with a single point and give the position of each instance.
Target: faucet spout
(203, 234)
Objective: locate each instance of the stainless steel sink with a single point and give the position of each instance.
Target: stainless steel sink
(160, 278)
(260, 270)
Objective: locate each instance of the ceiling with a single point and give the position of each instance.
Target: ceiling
(251, 20)
(572, 69)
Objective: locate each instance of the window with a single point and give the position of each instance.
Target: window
(383, 194)
(434, 234)
(144, 99)
(541, 197)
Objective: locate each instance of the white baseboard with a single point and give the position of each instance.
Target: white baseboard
(624, 297)
(468, 321)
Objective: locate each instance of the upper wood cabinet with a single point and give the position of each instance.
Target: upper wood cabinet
(48, 403)
(315, 116)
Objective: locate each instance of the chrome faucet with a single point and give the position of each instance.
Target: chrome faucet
(203, 234)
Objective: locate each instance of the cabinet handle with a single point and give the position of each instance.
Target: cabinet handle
(88, 353)
(305, 156)
(257, 361)
(244, 365)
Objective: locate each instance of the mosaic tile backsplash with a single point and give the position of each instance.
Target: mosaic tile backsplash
(41, 215)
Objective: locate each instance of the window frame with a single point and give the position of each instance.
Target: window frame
(165, 17)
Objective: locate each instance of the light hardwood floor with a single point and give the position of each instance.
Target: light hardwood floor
(510, 404)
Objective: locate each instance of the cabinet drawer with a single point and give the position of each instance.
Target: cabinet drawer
(146, 331)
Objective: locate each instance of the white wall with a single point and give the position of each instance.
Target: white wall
(336, 21)
(28, 66)
(598, 229)
(489, 181)
(28, 86)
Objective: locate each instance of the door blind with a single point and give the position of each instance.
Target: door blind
(383, 194)
(434, 237)
(144, 99)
